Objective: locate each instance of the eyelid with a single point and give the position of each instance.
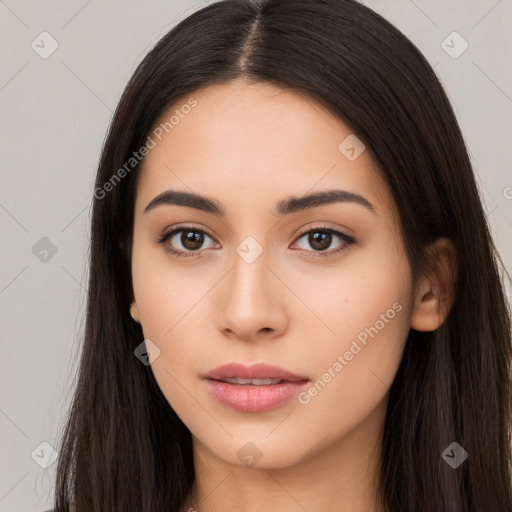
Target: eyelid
(323, 227)
(184, 227)
(347, 239)
(169, 233)
(301, 231)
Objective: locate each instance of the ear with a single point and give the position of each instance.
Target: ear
(435, 292)
(134, 312)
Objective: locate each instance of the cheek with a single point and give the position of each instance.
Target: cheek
(171, 301)
(366, 309)
(168, 305)
(370, 288)
(163, 290)
(365, 341)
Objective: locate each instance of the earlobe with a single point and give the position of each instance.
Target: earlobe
(134, 312)
(436, 292)
(427, 314)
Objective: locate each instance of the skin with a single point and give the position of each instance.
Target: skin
(249, 146)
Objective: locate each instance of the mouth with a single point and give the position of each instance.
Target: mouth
(256, 374)
(254, 395)
(239, 381)
(256, 388)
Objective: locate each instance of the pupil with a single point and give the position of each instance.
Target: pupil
(192, 239)
(320, 239)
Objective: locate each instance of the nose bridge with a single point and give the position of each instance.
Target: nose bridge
(251, 297)
(252, 247)
(250, 267)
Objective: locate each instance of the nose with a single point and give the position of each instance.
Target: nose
(254, 300)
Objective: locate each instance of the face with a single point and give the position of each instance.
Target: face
(323, 291)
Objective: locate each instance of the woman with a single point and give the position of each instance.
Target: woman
(294, 301)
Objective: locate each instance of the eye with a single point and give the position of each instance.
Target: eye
(191, 240)
(321, 238)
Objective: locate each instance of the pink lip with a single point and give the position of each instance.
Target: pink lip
(253, 398)
(255, 371)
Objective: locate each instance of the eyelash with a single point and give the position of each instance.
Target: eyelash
(348, 240)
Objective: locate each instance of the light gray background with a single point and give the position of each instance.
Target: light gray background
(54, 115)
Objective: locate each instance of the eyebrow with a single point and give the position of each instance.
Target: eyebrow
(283, 207)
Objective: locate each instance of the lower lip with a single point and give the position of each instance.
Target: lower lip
(251, 398)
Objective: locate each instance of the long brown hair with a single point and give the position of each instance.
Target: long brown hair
(123, 446)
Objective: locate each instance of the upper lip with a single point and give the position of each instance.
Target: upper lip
(255, 371)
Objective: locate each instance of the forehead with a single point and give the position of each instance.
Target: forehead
(255, 141)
